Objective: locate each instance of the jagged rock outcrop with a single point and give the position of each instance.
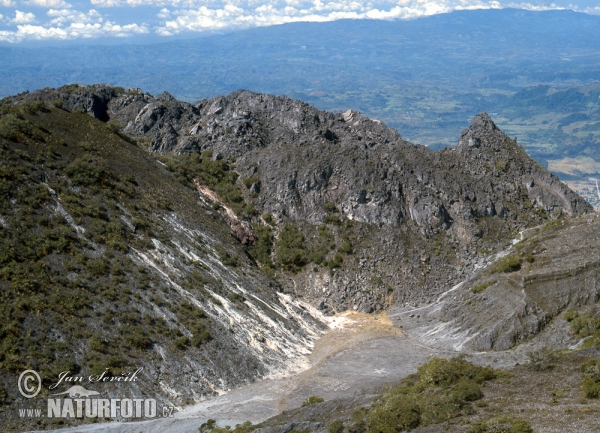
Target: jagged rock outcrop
(403, 201)
(483, 145)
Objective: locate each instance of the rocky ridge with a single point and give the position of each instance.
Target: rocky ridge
(418, 220)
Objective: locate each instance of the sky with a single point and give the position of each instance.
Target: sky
(23, 21)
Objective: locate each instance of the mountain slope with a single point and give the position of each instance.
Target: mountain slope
(175, 237)
(549, 270)
(108, 263)
(376, 215)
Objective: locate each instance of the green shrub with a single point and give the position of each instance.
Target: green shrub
(32, 107)
(529, 258)
(400, 413)
(114, 125)
(335, 262)
(332, 219)
(541, 355)
(261, 250)
(510, 263)
(97, 343)
(336, 427)
(138, 339)
(501, 425)
(201, 337)
(591, 387)
(442, 389)
(591, 381)
(323, 243)
(235, 297)
(584, 325)
(346, 247)
(87, 170)
(97, 267)
(571, 314)
(207, 426)
(290, 248)
(331, 208)
(225, 257)
(447, 372)
(98, 368)
(182, 343)
(249, 181)
(267, 217)
(480, 288)
(313, 399)
(11, 126)
(591, 368)
(358, 425)
(64, 364)
(501, 165)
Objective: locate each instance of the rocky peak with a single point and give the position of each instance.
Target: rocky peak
(483, 130)
(483, 124)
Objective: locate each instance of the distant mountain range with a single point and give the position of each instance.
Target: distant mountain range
(425, 77)
(493, 49)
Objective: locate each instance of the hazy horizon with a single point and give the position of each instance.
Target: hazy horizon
(23, 22)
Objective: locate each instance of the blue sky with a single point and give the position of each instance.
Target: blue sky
(24, 21)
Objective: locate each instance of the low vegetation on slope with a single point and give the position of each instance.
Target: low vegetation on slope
(554, 391)
(108, 264)
(441, 390)
(69, 215)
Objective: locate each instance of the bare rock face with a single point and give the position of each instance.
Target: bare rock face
(499, 307)
(404, 200)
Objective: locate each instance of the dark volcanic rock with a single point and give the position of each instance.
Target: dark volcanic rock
(397, 201)
(483, 145)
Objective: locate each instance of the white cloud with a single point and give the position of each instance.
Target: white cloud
(535, 8)
(107, 3)
(48, 3)
(62, 17)
(68, 24)
(177, 16)
(7, 3)
(23, 17)
(134, 3)
(37, 32)
(592, 11)
(164, 14)
(201, 15)
(241, 15)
